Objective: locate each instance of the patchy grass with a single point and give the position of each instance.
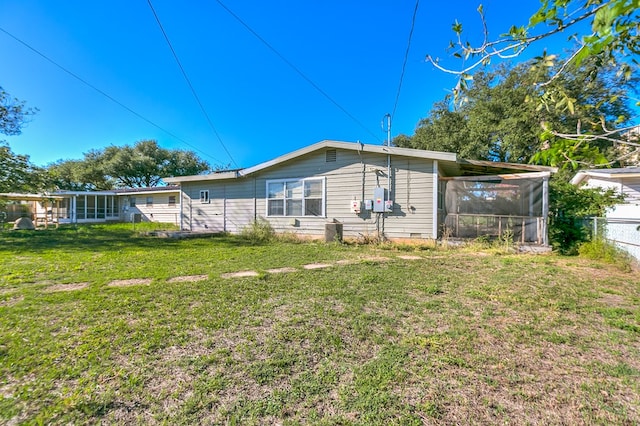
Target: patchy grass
(453, 337)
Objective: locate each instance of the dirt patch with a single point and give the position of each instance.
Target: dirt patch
(410, 257)
(281, 270)
(188, 278)
(131, 282)
(66, 287)
(375, 259)
(11, 302)
(241, 274)
(316, 266)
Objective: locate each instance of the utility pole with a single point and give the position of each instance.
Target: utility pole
(388, 127)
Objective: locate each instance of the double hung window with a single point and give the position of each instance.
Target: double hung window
(296, 197)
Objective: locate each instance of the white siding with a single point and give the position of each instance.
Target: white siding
(631, 190)
(159, 211)
(629, 187)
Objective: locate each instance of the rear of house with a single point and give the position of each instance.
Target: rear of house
(369, 191)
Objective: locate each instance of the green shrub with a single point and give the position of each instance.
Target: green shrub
(260, 231)
(600, 249)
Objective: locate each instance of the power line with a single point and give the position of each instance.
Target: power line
(106, 95)
(406, 56)
(296, 69)
(193, 91)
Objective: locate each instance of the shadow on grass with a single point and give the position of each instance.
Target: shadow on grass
(102, 238)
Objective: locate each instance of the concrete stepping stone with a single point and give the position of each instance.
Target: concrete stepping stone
(410, 257)
(188, 278)
(66, 287)
(281, 270)
(240, 274)
(316, 266)
(131, 282)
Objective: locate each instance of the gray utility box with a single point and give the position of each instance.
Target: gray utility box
(379, 197)
(332, 232)
(136, 217)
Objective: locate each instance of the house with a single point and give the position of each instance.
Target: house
(620, 225)
(371, 191)
(157, 204)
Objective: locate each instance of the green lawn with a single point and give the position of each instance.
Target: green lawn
(454, 337)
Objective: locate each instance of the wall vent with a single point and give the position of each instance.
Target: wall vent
(331, 156)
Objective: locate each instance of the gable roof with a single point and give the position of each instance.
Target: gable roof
(449, 161)
(625, 172)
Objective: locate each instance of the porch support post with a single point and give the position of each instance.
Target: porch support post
(545, 209)
(434, 228)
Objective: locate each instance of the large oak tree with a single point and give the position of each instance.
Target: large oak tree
(142, 165)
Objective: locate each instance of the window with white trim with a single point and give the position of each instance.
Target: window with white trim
(296, 197)
(204, 196)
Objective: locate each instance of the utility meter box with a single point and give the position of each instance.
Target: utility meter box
(368, 205)
(356, 206)
(378, 200)
(388, 206)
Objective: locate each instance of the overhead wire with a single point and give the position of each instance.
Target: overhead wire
(186, 77)
(406, 57)
(106, 95)
(296, 69)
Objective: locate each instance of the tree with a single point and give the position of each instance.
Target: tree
(611, 40)
(141, 165)
(611, 37)
(499, 121)
(80, 175)
(18, 174)
(13, 114)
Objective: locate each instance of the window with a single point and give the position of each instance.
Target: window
(132, 201)
(149, 201)
(301, 197)
(172, 200)
(204, 196)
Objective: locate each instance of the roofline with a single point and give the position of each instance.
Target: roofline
(515, 166)
(193, 178)
(152, 190)
(504, 176)
(29, 197)
(352, 146)
(69, 192)
(449, 157)
(583, 174)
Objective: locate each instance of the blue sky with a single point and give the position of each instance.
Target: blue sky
(260, 107)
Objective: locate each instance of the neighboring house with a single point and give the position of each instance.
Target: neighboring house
(372, 191)
(158, 204)
(621, 222)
